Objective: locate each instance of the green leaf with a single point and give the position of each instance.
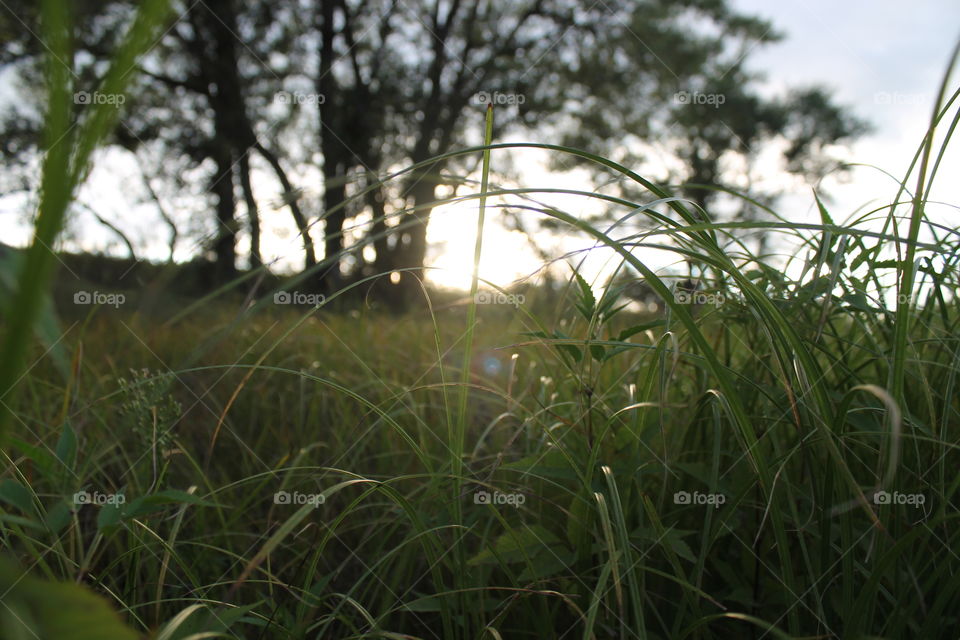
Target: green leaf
(67, 446)
(109, 517)
(160, 500)
(45, 461)
(824, 216)
(629, 332)
(14, 493)
(598, 352)
(43, 610)
(568, 349)
(199, 621)
(586, 302)
(551, 464)
(434, 604)
(516, 545)
(58, 517)
(671, 538)
(47, 328)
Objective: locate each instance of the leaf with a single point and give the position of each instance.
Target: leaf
(47, 328)
(67, 446)
(40, 456)
(14, 493)
(671, 538)
(551, 464)
(857, 300)
(58, 517)
(158, 501)
(824, 216)
(629, 332)
(517, 545)
(109, 517)
(586, 302)
(42, 610)
(598, 352)
(199, 621)
(568, 349)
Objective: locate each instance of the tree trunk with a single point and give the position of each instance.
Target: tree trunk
(332, 146)
(411, 249)
(225, 246)
(253, 215)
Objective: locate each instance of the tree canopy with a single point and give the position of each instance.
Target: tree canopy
(328, 97)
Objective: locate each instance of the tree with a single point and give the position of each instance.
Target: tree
(691, 98)
(399, 83)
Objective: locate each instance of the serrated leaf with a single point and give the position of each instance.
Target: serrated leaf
(824, 216)
(586, 302)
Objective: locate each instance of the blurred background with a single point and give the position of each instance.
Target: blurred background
(268, 133)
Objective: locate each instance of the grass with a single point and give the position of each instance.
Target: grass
(776, 464)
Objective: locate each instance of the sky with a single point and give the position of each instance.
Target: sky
(882, 59)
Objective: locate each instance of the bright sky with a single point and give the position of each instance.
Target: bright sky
(882, 61)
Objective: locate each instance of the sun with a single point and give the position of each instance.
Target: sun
(505, 256)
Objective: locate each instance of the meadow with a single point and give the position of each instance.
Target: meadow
(773, 455)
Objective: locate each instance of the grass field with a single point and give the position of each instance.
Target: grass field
(773, 456)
